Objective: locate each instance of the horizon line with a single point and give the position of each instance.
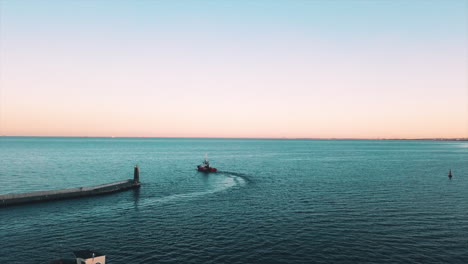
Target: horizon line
(284, 138)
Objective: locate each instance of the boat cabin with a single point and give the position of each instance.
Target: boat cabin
(205, 166)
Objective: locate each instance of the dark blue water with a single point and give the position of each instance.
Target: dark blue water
(274, 201)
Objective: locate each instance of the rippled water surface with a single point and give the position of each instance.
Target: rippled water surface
(273, 201)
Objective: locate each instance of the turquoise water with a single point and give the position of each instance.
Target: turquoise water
(273, 201)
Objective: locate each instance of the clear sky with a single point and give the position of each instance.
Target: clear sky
(292, 68)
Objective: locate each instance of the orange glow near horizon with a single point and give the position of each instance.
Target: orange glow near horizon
(275, 73)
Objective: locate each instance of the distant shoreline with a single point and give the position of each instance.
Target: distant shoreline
(282, 138)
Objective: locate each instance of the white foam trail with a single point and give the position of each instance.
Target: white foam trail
(239, 180)
(225, 182)
(228, 182)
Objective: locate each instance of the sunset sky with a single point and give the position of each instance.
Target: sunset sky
(263, 69)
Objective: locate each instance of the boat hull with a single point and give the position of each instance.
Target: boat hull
(204, 169)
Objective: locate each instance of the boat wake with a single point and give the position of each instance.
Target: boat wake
(224, 181)
(244, 177)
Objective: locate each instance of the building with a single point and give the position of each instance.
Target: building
(83, 257)
(89, 257)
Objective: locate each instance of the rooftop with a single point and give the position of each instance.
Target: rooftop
(63, 261)
(87, 254)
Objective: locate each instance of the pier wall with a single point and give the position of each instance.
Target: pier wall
(42, 196)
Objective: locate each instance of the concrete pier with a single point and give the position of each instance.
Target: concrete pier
(42, 196)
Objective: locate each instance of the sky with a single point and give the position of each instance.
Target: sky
(244, 69)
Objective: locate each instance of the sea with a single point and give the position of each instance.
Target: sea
(271, 201)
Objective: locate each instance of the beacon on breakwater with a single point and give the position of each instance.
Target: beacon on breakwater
(43, 196)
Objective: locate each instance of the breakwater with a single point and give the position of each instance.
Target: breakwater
(70, 193)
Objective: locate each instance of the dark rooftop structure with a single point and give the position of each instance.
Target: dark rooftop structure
(83, 257)
(63, 261)
(87, 254)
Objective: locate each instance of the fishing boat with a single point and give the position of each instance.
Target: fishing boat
(205, 166)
